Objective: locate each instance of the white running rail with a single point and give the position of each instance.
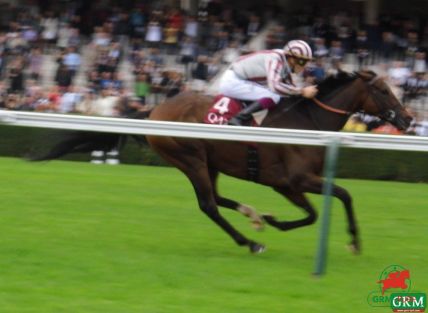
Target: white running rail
(220, 132)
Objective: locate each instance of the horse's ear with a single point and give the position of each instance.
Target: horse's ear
(341, 74)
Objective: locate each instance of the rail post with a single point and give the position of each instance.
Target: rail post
(329, 173)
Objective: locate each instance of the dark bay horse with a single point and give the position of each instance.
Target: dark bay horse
(291, 170)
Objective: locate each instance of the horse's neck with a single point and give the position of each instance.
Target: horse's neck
(346, 99)
(306, 114)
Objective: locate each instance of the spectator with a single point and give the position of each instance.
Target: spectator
(142, 87)
(50, 30)
(420, 127)
(320, 50)
(398, 73)
(35, 63)
(362, 49)
(191, 27)
(154, 55)
(420, 65)
(411, 48)
(187, 53)
(316, 72)
(175, 84)
(154, 33)
(171, 38)
(336, 51)
(276, 37)
(72, 60)
(388, 44)
(253, 26)
(69, 100)
(64, 35)
(16, 76)
(100, 38)
(137, 22)
(415, 87)
(63, 77)
(131, 107)
(105, 105)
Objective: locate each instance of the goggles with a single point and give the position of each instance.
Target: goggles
(301, 62)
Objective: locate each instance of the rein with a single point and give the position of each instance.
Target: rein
(330, 109)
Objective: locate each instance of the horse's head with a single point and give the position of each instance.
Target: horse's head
(381, 102)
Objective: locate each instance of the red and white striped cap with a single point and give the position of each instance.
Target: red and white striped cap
(299, 49)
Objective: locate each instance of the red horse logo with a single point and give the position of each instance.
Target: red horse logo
(395, 280)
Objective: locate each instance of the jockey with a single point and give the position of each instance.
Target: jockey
(265, 76)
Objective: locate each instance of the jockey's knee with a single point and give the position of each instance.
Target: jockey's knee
(267, 103)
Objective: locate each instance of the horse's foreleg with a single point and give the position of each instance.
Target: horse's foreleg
(194, 166)
(256, 220)
(315, 185)
(301, 201)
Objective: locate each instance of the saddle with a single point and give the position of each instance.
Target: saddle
(224, 108)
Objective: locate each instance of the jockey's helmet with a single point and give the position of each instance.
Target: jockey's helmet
(298, 49)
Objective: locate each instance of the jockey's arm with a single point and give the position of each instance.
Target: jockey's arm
(275, 80)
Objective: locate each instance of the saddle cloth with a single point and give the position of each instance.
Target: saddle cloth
(224, 108)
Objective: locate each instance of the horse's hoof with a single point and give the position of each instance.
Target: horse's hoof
(257, 248)
(354, 248)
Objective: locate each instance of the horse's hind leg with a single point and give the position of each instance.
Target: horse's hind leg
(314, 184)
(301, 201)
(256, 220)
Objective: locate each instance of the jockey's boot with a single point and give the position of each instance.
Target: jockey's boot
(245, 114)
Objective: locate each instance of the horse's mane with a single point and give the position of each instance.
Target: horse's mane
(333, 82)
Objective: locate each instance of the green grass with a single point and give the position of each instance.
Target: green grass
(76, 237)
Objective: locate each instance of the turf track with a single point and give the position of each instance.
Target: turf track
(81, 238)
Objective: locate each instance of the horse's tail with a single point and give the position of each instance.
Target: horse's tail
(85, 142)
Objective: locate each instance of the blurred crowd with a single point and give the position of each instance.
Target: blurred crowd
(169, 50)
(145, 36)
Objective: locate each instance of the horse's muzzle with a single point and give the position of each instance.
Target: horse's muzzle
(403, 122)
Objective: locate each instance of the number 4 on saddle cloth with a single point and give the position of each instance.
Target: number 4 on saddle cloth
(224, 108)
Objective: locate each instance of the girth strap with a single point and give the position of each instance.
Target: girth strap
(253, 163)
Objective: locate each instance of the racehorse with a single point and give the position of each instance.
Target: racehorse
(291, 170)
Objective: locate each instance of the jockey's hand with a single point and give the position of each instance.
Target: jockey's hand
(309, 91)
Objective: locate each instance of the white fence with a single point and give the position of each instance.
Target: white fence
(220, 132)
